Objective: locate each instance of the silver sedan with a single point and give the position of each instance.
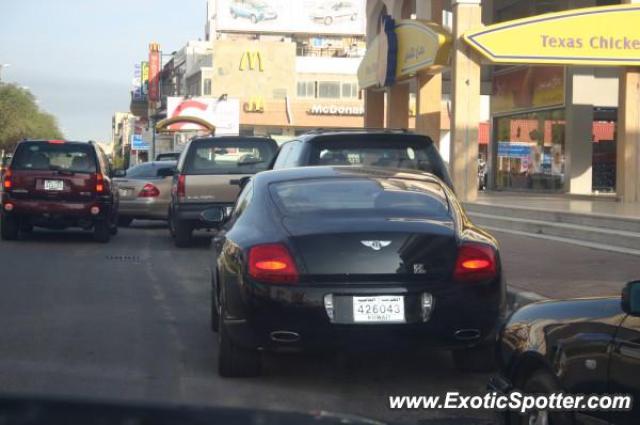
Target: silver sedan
(145, 191)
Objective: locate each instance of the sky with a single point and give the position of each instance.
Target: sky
(77, 56)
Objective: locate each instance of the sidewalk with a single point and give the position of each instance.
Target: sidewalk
(603, 205)
(538, 268)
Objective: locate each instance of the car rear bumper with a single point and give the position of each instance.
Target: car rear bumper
(143, 208)
(192, 213)
(25, 207)
(256, 312)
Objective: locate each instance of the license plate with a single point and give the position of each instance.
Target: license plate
(53, 185)
(386, 308)
(125, 193)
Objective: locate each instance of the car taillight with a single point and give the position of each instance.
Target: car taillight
(99, 183)
(149, 191)
(475, 262)
(7, 183)
(272, 263)
(182, 189)
(56, 142)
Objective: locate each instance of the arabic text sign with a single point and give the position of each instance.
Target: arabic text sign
(607, 35)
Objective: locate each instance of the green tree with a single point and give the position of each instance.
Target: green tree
(21, 118)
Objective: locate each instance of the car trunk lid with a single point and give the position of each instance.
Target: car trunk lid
(373, 249)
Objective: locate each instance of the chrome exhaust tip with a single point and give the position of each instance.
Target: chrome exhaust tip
(467, 334)
(286, 337)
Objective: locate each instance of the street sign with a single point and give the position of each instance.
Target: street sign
(606, 36)
(138, 144)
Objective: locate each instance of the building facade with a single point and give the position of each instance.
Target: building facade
(550, 128)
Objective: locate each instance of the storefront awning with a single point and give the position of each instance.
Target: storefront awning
(421, 46)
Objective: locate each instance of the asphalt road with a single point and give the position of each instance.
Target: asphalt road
(129, 320)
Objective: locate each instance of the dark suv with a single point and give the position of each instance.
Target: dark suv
(374, 148)
(58, 184)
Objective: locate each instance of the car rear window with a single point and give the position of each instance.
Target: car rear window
(142, 171)
(229, 156)
(409, 152)
(41, 156)
(389, 197)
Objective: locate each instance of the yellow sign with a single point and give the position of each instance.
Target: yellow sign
(421, 46)
(255, 104)
(251, 61)
(368, 69)
(608, 36)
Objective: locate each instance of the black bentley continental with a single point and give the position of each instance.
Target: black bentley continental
(333, 258)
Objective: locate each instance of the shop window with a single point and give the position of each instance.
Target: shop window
(306, 89)
(530, 151)
(329, 90)
(349, 90)
(207, 87)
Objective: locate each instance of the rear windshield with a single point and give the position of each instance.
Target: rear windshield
(229, 156)
(148, 170)
(409, 152)
(379, 196)
(41, 156)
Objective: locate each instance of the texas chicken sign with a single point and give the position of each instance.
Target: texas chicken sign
(605, 36)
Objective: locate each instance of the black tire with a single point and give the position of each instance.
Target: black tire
(113, 229)
(9, 227)
(171, 224)
(541, 382)
(476, 359)
(234, 361)
(101, 231)
(183, 232)
(328, 20)
(215, 306)
(124, 221)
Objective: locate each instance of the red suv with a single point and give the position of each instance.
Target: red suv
(58, 184)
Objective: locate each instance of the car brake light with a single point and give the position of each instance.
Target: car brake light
(56, 142)
(99, 183)
(272, 263)
(182, 189)
(475, 262)
(7, 183)
(149, 191)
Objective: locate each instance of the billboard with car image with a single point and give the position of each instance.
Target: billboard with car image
(339, 17)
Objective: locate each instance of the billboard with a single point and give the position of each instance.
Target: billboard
(154, 72)
(292, 16)
(138, 144)
(136, 82)
(145, 78)
(224, 114)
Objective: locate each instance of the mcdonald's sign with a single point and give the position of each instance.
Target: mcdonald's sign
(251, 61)
(255, 104)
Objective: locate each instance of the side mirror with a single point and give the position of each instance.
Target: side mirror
(631, 298)
(119, 173)
(241, 182)
(166, 172)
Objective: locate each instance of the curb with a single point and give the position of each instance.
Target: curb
(517, 298)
